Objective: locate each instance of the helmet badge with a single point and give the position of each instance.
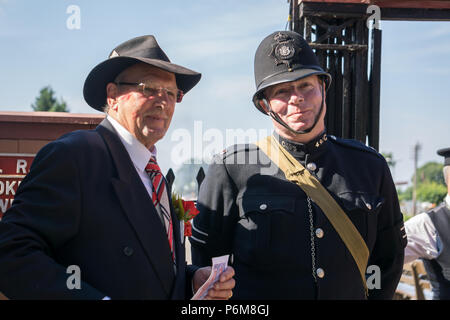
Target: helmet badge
(283, 50)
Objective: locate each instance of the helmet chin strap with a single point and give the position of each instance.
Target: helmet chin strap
(275, 116)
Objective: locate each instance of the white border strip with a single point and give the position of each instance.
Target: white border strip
(201, 232)
(18, 154)
(12, 176)
(198, 240)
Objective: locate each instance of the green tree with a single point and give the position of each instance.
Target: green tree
(47, 102)
(431, 192)
(430, 172)
(430, 184)
(405, 194)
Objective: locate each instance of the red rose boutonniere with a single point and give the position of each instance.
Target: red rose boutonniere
(185, 211)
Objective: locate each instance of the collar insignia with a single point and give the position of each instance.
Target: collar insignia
(321, 141)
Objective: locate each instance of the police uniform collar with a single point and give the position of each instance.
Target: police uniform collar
(301, 149)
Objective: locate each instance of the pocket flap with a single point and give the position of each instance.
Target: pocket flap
(361, 201)
(266, 203)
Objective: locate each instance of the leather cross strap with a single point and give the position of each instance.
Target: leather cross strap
(296, 173)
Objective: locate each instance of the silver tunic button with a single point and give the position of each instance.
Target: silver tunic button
(319, 233)
(263, 206)
(311, 166)
(368, 206)
(320, 273)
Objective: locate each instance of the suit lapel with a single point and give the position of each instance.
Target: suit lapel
(139, 208)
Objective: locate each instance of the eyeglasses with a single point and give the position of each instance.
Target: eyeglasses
(149, 91)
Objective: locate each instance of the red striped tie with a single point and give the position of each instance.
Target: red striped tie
(160, 198)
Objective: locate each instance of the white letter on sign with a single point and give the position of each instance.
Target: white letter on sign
(4, 205)
(21, 166)
(10, 187)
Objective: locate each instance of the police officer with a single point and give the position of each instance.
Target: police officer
(281, 242)
(429, 239)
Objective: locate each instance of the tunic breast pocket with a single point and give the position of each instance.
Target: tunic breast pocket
(362, 208)
(265, 229)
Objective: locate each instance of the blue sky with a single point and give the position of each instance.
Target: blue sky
(218, 39)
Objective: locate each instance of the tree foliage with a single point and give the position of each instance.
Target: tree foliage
(47, 102)
(430, 184)
(405, 195)
(431, 192)
(430, 172)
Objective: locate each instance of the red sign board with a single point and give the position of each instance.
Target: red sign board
(13, 168)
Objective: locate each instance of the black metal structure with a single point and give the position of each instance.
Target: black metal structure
(351, 53)
(170, 177)
(340, 37)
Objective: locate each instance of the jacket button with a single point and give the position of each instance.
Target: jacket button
(311, 166)
(128, 251)
(263, 206)
(320, 273)
(319, 233)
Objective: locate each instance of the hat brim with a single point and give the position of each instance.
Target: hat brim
(445, 152)
(94, 89)
(286, 77)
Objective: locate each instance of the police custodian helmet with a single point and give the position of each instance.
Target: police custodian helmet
(284, 56)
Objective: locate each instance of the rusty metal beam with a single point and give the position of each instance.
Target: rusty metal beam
(390, 10)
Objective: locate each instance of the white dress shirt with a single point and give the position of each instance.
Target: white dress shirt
(423, 239)
(139, 154)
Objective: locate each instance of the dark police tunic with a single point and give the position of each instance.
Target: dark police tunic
(438, 270)
(280, 248)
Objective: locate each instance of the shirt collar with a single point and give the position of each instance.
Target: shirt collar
(139, 154)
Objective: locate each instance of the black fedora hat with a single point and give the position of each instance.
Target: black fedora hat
(141, 49)
(445, 152)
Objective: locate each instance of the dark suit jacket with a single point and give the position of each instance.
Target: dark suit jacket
(83, 204)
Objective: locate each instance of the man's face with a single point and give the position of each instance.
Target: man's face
(297, 103)
(147, 118)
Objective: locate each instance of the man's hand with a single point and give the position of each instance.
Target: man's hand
(222, 289)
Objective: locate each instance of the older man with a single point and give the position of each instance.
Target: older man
(93, 219)
(303, 213)
(429, 239)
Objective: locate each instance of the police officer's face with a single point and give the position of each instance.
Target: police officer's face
(146, 118)
(297, 103)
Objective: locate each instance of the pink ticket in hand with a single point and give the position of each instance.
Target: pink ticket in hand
(219, 266)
